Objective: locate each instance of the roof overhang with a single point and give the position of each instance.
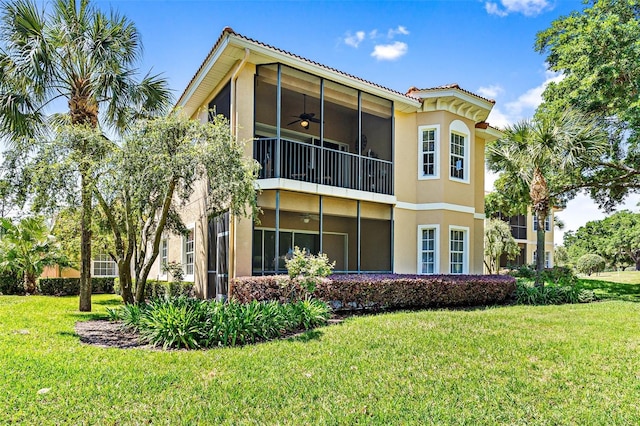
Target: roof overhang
(487, 132)
(231, 48)
(456, 101)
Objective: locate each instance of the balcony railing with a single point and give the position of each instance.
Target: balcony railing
(314, 164)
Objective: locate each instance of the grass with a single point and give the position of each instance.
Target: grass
(569, 364)
(614, 285)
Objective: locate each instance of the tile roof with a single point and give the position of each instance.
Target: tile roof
(230, 31)
(408, 95)
(447, 87)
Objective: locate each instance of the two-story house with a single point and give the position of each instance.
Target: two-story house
(379, 180)
(524, 229)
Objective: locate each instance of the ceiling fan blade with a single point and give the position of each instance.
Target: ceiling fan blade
(314, 120)
(293, 122)
(311, 114)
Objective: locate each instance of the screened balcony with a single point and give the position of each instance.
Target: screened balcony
(316, 164)
(318, 131)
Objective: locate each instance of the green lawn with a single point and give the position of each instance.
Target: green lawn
(615, 285)
(571, 364)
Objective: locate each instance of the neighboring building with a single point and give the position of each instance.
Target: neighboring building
(524, 229)
(379, 180)
(101, 266)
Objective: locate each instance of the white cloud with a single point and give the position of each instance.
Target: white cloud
(390, 52)
(400, 30)
(354, 40)
(492, 91)
(526, 7)
(492, 9)
(524, 106)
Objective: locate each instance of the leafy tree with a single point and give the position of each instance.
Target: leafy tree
(498, 241)
(598, 54)
(615, 238)
(541, 160)
(560, 256)
(590, 263)
(163, 164)
(26, 248)
(499, 203)
(88, 58)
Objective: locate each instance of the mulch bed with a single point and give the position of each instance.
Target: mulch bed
(108, 334)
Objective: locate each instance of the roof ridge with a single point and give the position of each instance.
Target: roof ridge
(448, 87)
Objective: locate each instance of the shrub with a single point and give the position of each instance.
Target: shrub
(191, 323)
(176, 323)
(155, 288)
(590, 263)
(387, 291)
(308, 268)
(11, 284)
(71, 286)
(559, 275)
(553, 294)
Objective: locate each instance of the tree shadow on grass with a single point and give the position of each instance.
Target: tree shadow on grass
(306, 336)
(613, 291)
(88, 316)
(114, 301)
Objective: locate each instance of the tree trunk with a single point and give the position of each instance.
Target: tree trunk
(540, 252)
(83, 109)
(85, 243)
(638, 263)
(126, 285)
(29, 283)
(539, 193)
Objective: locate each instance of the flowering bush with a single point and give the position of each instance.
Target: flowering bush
(308, 269)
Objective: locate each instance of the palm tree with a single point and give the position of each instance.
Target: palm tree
(547, 155)
(76, 53)
(26, 248)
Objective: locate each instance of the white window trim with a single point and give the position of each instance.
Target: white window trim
(465, 258)
(548, 262)
(547, 223)
(108, 261)
(436, 256)
(189, 277)
(459, 128)
(162, 274)
(436, 154)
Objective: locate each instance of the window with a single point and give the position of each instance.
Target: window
(547, 223)
(547, 258)
(458, 250)
(189, 253)
(428, 152)
(459, 152)
(104, 266)
(164, 252)
(457, 156)
(428, 249)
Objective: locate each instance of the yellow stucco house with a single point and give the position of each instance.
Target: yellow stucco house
(524, 230)
(379, 180)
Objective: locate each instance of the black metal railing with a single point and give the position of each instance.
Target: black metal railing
(314, 164)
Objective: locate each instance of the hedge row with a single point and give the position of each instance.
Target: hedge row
(11, 284)
(156, 288)
(71, 286)
(387, 291)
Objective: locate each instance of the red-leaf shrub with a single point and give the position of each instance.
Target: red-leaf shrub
(386, 291)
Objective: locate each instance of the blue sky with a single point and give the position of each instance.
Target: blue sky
(484, 46)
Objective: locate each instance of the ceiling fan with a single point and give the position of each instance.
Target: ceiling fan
(304, 118)
(307, 217)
